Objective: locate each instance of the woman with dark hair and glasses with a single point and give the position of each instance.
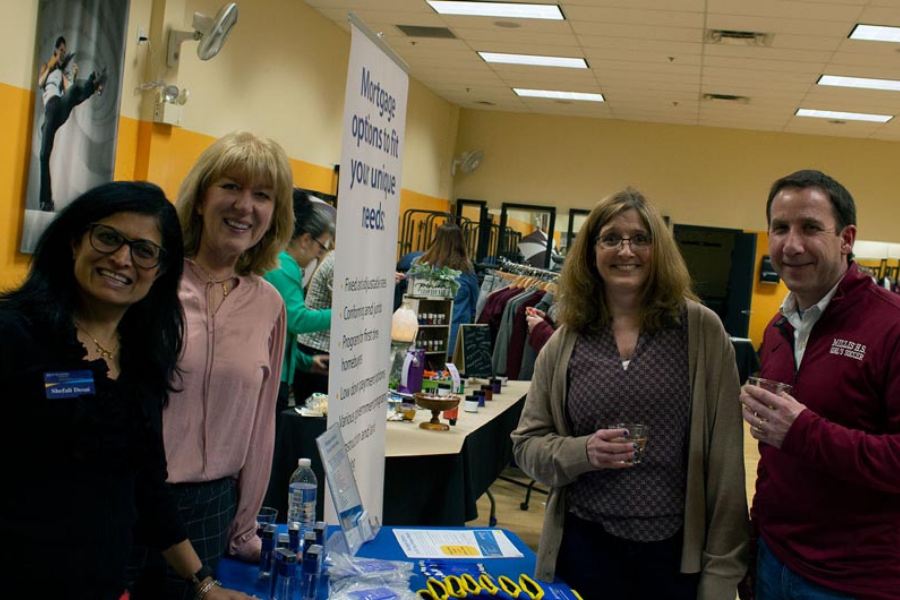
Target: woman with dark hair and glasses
(88, 347)
(635, 346)
(313, 231)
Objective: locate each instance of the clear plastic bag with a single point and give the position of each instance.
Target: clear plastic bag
(343, 565)
(364, 589)
(354, 573)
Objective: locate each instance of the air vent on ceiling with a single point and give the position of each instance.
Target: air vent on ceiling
(485, 102)
(739, 38)
(726, 98)
(426, 32)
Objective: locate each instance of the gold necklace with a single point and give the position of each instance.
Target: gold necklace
(101, 350)
(211, 280)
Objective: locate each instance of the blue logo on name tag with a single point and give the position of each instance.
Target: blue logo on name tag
(68, 384)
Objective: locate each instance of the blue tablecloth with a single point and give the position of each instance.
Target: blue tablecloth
(243, 576)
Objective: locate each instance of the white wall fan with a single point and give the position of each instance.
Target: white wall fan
(468, 162)
(211, 33)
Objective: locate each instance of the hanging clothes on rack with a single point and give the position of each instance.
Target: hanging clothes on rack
(505, 313)
(493, 281)
(493, 309)
(513, 312)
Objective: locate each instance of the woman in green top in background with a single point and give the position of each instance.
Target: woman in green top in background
(313, 232)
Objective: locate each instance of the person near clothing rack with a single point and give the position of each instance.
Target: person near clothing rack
(635, 346)
(448, 249)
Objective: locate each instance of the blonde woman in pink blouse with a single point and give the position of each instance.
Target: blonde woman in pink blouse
(219, 429)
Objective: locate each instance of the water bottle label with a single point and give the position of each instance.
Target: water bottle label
(303, 495)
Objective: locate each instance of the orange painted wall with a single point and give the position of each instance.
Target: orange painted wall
(767, 297)
(16, 114)
(414, 200)
(410, 200)
(171, 151)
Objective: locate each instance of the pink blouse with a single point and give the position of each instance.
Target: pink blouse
(222, 422)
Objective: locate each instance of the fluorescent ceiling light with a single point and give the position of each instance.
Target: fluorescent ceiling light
(842, 116)
(559, 95)
(875, 33)
(860, 82)
(537, 61)
(499, 9)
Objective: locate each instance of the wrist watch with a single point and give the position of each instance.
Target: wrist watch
(200, 575)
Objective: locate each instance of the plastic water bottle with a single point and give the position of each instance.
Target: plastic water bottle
(302, 497)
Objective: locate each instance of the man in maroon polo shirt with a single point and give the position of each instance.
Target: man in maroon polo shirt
(827, 504)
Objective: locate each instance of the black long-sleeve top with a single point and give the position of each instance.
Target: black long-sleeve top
(78, 471)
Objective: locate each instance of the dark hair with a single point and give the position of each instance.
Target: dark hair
(310, 216)
(448, 249)
(152, 329)
(842, 205)
(59, 42)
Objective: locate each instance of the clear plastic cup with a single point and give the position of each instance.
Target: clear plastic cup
(637, 434)
(776, 387)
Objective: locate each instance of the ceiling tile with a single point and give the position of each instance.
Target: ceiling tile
(649, 59)
(881, 15)
(778, 9)
(680, 5)
(752, 64)
(618, 30)
(760, 53)
(635, 16)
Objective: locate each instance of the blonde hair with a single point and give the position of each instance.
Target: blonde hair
(250, 158)
(582, 300)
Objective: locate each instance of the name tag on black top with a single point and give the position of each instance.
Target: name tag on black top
(68, 384)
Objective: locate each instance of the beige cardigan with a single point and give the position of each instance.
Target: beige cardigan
(715, 522)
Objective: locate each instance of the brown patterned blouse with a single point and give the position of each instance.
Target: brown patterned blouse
(644, 503)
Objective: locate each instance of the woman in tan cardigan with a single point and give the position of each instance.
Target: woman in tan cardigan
(669, 520)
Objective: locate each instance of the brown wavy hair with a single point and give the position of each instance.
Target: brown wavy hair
(448, 249)
(582, 301)
(252, 158)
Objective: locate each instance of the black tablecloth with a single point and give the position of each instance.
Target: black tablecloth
(432, 490)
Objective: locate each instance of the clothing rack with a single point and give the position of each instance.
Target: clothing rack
(519, 269)
(511, 268)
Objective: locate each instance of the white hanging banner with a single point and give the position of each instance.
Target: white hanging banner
(367, 222)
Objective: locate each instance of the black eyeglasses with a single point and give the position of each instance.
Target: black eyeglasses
(107, 240)
(614, 241)
(321, 245)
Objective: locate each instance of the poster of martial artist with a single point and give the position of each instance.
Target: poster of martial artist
(80, 46)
